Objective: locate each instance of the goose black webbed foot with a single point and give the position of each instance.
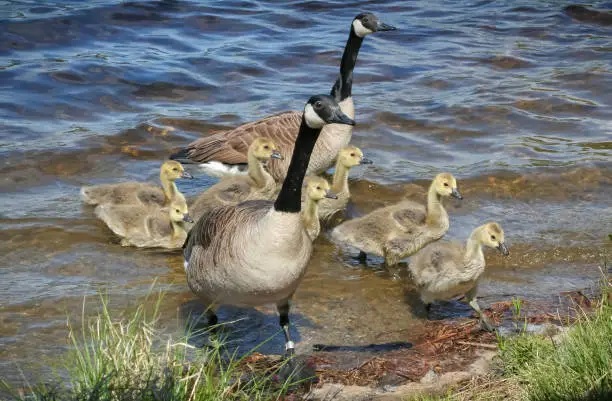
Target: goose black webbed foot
(297, 371)
(486, 325)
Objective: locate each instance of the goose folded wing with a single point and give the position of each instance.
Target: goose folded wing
(231, 147)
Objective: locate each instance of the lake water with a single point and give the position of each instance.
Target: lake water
(512, 97)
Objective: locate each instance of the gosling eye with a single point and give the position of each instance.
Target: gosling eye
(318, 187)
(446, 184)
(175, 169)
(493, 237)
(178, 211)
(352, 154)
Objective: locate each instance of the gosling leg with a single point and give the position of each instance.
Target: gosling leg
(485, 324)
(283, 311)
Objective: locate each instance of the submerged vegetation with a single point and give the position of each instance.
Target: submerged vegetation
(127, 359)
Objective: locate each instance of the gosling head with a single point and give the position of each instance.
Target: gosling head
(367, 23)
(492, 236)
(352, 156)
(323, 109)
(174, 170)
(179, 213)
(264, 149)
(446, 185)
(318, 188)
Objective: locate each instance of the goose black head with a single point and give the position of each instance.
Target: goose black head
(323, 109)
(367, 23)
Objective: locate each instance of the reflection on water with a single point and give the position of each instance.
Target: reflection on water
(513, 98)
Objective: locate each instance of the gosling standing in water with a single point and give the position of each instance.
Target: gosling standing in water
(348, 158)
(398, 231)
(258, 184)
(139, 193)
(147, 226)
(444, 269)
(317, 190)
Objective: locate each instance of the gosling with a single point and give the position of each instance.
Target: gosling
(445, 269)
(317, 190)
(348, 158)
(257, 185)
(147, 226)
(398, 231)
(139, 193)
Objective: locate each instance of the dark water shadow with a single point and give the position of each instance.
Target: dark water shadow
(241, 329)
(382, 347)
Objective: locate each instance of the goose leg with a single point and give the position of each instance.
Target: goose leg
(470, 297)
(363, 257)
(283, 311)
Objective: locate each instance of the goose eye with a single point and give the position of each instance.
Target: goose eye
(365, 19)
(492, 236)
(446, 184)
(318, 104)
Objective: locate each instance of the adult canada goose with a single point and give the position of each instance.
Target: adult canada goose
(397, 231)
(226, 152)
(135, 193)
(317, 189)
(258, 184)
(256, 252)
(348, 158)
(444, 269)
(147, 226)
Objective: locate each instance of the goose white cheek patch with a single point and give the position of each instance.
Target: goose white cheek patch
(360, 30)
(312, 118)
(185, 264)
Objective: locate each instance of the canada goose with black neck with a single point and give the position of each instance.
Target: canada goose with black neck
(226, 152)
(256, 252)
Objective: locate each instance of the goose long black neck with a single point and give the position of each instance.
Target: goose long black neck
(290, 197)
(344, 83)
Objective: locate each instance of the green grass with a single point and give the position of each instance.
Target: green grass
(579, 367)
(118, 359)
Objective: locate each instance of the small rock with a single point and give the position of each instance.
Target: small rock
(430, 377)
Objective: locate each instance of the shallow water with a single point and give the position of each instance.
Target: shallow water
(513, 97)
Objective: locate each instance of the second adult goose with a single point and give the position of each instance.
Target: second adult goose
(259, 184)
(226, 152)
(139, 193)
(444, 269)
(256, 252)
(397, 231)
